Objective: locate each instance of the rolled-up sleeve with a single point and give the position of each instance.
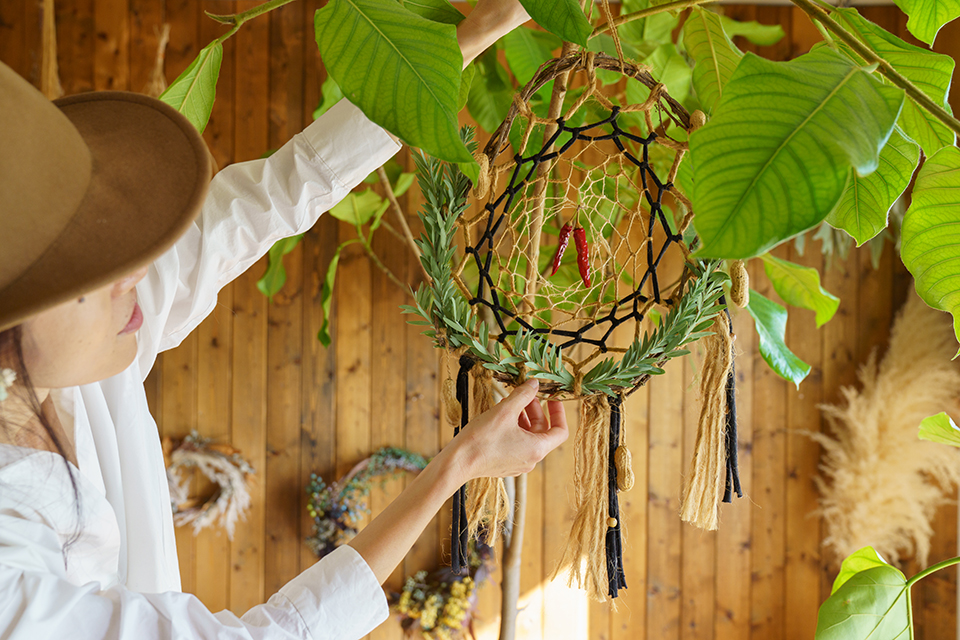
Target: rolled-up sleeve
(250, 206)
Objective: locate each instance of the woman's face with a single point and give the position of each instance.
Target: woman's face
(86, 339)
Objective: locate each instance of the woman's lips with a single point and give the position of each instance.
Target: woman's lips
(136, 319)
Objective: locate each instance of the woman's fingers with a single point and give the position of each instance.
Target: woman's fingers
(535, 419)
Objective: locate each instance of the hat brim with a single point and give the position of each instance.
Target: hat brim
(150, 175)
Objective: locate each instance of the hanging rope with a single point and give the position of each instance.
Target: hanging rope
(458, 535)
(616, 579)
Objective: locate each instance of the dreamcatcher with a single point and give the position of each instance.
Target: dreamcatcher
(509, 309)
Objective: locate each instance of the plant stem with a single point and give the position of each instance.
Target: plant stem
(395, 207)
(940, 565)
(237, 19)
(646, 13)
(886, 69)
(377, 261)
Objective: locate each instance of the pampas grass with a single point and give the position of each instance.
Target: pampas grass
(880, 484)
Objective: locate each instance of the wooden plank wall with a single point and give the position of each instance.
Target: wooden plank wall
(255, 375)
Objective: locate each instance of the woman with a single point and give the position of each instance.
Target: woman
(101, 267)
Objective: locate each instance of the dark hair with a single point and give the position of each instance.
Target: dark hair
(11, 351)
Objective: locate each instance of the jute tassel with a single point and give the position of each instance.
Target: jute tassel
(704, 490)
(157, 83)
(49, 72)
(590, 481)
(488, 505)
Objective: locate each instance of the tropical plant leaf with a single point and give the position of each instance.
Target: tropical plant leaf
(330, 94)
(776, 156)
(930, 233)
(646, 34)
(800, 286)
(491, 94)
(359, 207)
(403, 71)
(273, 279)
(562, 18)
(763, 35)
(671, 69)
(714, 54)
(940, 428)
(874, 604)
(194, 90)
(863, 208)
(930, 72)
(927, 16)
(771, 322)
(861, 560)
(435, 10)
(326, 295)
(526, 49)
(466, 82)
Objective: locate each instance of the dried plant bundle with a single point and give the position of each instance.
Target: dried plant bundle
(880, 484)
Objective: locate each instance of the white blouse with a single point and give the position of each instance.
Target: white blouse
(120, 579)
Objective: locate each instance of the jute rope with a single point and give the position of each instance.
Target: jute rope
(704, 490)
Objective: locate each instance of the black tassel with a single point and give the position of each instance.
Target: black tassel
(614, 545)
(458, 536)
(730, 439)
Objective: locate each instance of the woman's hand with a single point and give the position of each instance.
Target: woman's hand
(488, 22)
(511, 438)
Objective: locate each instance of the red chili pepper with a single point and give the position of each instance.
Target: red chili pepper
(583, 254)
(565, 232)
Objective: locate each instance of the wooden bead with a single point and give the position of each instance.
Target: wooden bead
(624, 462)
(611, 522)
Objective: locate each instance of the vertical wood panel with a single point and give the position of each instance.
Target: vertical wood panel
(112, 45)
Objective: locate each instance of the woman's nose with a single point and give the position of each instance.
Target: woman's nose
(128, 282)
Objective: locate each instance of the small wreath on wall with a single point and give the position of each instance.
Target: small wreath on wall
(337, 508)
(223, 466)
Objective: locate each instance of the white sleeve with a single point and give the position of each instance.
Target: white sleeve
(250, 206)
(336, 599)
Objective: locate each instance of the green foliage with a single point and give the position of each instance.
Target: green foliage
(563, 18)
(763, 35)
(866, 558)
(275, 276)
(800, 286)
(326, 296)
(930, 72)
(526, 49)
(931, 233)
(330, 94)
(491, 94)
(873, 604)
(863, 208)
(771, 322)
(359, 208)
(194, 90)
(767, 137)
(435, 10)
(940, 428)
(714, 54)
(927, 16)
(405, 77)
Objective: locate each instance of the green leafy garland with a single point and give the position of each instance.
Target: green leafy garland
(454, 325)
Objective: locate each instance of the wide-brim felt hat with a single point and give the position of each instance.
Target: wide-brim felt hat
(92, 187)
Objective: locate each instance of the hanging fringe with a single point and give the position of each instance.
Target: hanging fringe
(591, 476)
(459, 561)
(616, 579)
(489, 506)
(713, 461)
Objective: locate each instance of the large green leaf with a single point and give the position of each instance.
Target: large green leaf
(646, 34)
(927, 16)
(930, 72)
(861, 560)
(940, 428)
(863, 208)
(194, 90)
(330, 94)
(873, 604)
(359, 208)
(326, 295)
(800, 287)
(562, 18)
(714, 54)
(776, 156)
(527, 49)
(771, 322)
(491, 95)
(273, 279)
(930, 235)
(763, 35)
(436, 10)
(403, 71)
(671, 69)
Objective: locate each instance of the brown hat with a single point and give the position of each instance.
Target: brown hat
(92, 187)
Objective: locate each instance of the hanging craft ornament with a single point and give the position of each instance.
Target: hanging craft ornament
(223, 466)
(576, 314)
